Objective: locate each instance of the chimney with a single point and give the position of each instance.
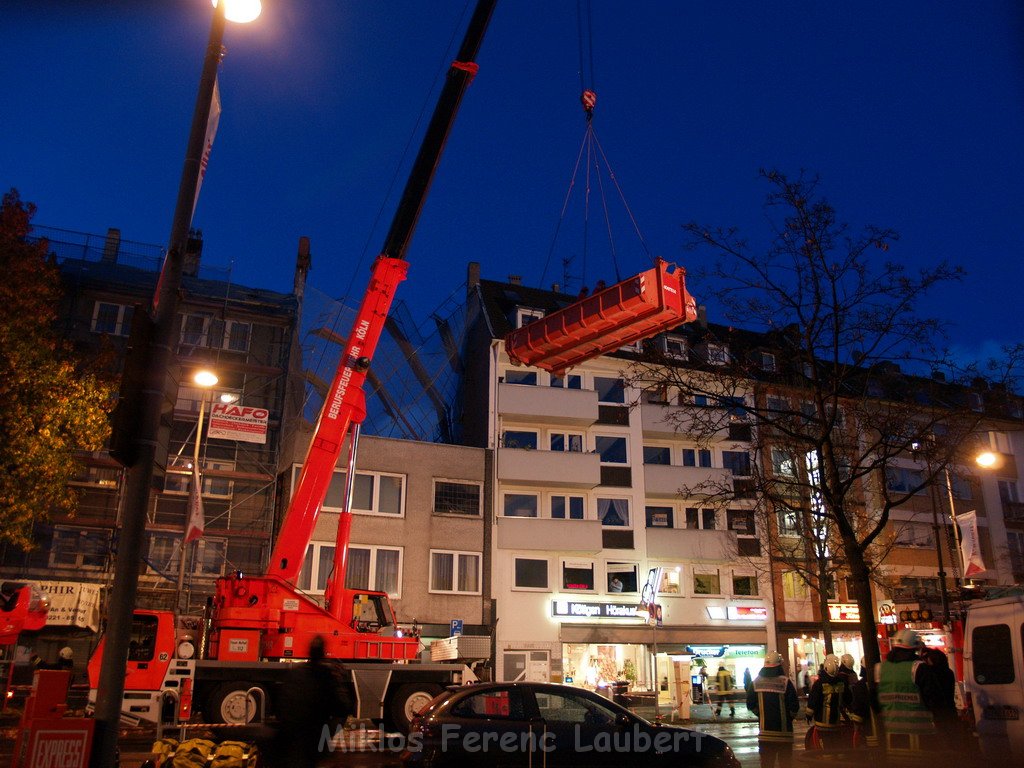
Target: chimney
(111, 246)
(193, 253)
(472, 277)
(303, 263)
(702, 316)
(515, 279)
(556, 288)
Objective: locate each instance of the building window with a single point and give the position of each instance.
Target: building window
(77, 548)
(767, 362)
(229, 334)
(794, 587)
(578, 575)
(512, 438)
(702, 519)
(531, 573)
(914, 535)
(525, 316)
(374, 493)
(706, 582)
(741, 521)
(514, 376)
(195, 330)
(716, 354)
(744, 585)
(568, 381)
(612, 449)
(376, 568)
(671, 581)
(613, 512)
(622, 577)
(455, 572)
(610, 390)
(1015, 545)
(567, 507)
(520, 505)
(903, 480)
(789, 522)
(455, 497)
(571, 442)
(112, 319)
(165, 553)
(659, 517)
(737, 462)
(674, 346)
(1008, 492)
(178, 478)
(694, 457)
(654, 454)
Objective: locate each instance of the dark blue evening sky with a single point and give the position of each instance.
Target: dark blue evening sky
(912, 113)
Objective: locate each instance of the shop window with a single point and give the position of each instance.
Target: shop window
(112, 319)
(610, 390)
(671, 581)
(622, 577)
(744, 584)
(78, 548)
(992, 654)
(531, 573)
(737, 462)
(571, 442)
(520, 505)
(455, 572)
(613, 512)
(706, 582)
(659, 517)
(654, 454)
(454, 497)
(515, 376)
(569, 381)
(513, 438)
(567, 507)
(612, 449)
(373, 493)
(693, 457)
(578, 575)
(794, 587)
(700, 519)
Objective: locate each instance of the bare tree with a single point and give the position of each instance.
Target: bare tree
(817, 373)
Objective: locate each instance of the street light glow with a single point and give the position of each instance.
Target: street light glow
(988, 460)
(241, 11)
(205, 379)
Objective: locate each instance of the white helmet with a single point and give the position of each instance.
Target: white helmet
(907, 638)
(847, 660)
(831, 664)
(773, 659)
(66, 652)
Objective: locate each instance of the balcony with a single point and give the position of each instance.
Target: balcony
(664, 481)
(654, 418)
(545, 534)
(689, 544)
(547, 405)
(549, 468)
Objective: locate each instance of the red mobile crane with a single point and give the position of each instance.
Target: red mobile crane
(257, 623)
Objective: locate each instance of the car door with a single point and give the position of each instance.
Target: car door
(488, 727)
(581, 729)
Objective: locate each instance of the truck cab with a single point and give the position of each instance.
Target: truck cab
(994, 674)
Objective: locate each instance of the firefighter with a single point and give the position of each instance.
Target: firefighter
(862, 713)
(906, 722)
(827, 702)
(772, 697)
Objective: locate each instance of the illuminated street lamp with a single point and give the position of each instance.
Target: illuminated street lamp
(204, 380)
(153, 355)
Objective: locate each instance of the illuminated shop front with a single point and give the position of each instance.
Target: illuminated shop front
(803, 643)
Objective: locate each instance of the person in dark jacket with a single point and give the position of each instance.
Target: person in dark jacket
(772, 697)
(938, 695)
(827, 702)
(862, 713)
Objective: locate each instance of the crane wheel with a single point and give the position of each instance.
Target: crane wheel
(409, 699)
(233, 703)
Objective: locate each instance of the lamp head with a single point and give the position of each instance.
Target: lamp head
(241, 11)
(205, 378)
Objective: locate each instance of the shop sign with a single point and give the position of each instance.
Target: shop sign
(233, 421)
(72, 604)
(887, 612)
(843, 612)
(747, 613)
(580, 610)
(706, 650)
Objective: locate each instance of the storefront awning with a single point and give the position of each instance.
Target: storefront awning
(682, 635)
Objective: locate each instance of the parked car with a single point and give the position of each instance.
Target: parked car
(543, 724)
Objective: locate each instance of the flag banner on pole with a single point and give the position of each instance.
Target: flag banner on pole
(196, 521)
(970, 546)
(211, 132)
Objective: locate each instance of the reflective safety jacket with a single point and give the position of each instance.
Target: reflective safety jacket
(900, 700)
(829, 698)
(772, 697)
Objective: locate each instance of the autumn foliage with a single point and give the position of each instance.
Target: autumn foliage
(51, 405)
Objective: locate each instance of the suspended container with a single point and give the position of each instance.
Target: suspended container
(639, 308)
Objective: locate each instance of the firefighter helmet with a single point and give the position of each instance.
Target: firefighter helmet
(773, 659)
(907, 638)
(831, 664)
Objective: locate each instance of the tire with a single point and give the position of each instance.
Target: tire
(407, 700)
(232, 703)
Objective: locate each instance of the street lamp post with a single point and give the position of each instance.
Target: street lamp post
(204, 380)
(157, 359)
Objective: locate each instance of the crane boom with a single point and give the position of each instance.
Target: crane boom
(345, 403)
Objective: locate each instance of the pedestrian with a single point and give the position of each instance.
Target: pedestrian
(725, 684)
(312, 705)
(862, 712)
(701, 685)
(828, 700)
(939, 696)
(772, 697)
(747, 679)
(900, 678)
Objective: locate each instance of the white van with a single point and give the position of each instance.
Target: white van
(994, 674)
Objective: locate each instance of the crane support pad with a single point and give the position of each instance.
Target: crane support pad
(635, 309)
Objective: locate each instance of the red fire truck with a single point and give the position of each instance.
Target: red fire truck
(23, 608)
